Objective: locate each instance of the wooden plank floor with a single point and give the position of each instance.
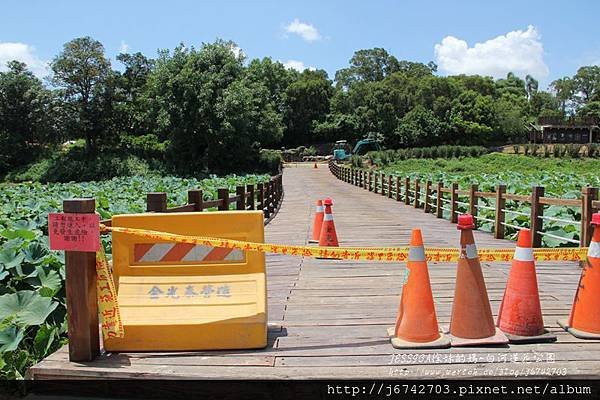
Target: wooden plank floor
(328, 318)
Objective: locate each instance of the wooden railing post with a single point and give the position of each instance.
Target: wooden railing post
(427, 206)
(453, 204)
(250, 191)
(439, 211)
(473, 201)
(537, 211)
(417, 193)
(588, 195)
(195, 198)
(407, 190)
(389, 185)
(82, 300)
(223, 195)
(271, 197)
(500, 215)
(383, 184)
(156, 202)
(398, 189)
(370, 183)
(260, 197)
(240, 192)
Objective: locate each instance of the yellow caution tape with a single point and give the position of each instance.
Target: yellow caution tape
(108, 306)
(378, 254)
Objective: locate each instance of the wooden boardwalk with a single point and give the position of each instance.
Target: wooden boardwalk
(328, 319)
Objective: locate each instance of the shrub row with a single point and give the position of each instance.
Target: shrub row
(386, 157)
(558, 150)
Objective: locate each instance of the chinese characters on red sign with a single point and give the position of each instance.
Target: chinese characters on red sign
(74, 232)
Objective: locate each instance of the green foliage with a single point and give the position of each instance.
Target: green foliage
(73, 164)
(386, 157)
(562, 178)
(270, 161)
(32, 294)
(27, 116)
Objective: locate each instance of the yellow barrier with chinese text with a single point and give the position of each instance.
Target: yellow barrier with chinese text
(189, 296)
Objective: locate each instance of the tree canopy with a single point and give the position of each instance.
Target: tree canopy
(209, 109)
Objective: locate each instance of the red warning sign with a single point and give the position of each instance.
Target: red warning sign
(74, 232)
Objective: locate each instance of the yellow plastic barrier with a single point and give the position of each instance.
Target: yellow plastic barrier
(182, 296)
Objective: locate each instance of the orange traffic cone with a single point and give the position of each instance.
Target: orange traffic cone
(315, 167)
(520, 314)
(417, 325)
(328, 236)
(471, 322)
(584, 321)
(317, 223)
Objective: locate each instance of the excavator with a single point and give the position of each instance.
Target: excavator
(341, 149)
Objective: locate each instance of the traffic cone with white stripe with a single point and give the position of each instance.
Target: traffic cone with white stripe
(317, 223)
(520, 314)
(471, 322)
(328, 236)
(416, 324)
(584, 321)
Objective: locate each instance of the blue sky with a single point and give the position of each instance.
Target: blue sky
(545, 38)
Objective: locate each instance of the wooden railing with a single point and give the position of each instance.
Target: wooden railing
(82, 302)
(265, 196)
(437, 198)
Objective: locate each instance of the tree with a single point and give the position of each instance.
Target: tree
(418, 128)
(531, 86)
(564, 88)
(130, 93)
(307, 102)
(587, 84)
(27, 112)
(370, 65)
(274, 76)
(213, 115)
(83, 72)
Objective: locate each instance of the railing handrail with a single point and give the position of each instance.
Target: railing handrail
(379, 182)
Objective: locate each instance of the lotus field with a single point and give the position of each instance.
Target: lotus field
(561, 178)
(32, 296)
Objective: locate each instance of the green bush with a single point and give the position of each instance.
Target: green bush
(145, 146)
(356, 161)
(386, 157)
(73, 164)
(593, 150)
(269, 161)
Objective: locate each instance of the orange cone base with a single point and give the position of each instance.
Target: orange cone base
(498, 338)
(441, 343)
(576, 332)
(545, 337)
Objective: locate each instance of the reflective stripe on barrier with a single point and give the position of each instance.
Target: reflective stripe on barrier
(177, 252)
(383, 254)
(594, 250)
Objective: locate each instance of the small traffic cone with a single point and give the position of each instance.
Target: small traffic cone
(471, 322)
(315, 167)
(328, 236)
(417, 325)
(317, 223)
(584, 321)
(520, 314)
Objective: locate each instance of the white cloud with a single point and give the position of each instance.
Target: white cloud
(25, 53)
(306, 31)
(123, 47)
(297, 65)
(521, 52)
